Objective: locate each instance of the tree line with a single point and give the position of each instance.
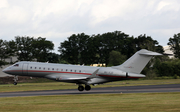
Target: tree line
(27, 49)
(85, 49)
(111, 48)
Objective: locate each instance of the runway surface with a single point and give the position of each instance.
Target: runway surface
(107, 90)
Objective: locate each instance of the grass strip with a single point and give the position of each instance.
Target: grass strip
(141, 102)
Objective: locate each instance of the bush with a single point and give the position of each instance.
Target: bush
(168, 68)
(176, 76)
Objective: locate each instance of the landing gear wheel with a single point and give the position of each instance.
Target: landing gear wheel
(87, 87)
(15, 83)
(80, 88)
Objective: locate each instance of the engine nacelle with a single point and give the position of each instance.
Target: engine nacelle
(115, 73)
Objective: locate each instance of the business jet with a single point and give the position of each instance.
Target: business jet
(83, 75)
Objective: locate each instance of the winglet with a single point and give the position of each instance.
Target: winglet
(93, 74)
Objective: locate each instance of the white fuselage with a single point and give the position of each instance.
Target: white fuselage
(68, 73)
(86, 75)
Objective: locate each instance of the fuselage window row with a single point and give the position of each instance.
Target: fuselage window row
(54, 69)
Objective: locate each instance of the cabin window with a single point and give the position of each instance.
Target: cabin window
(48, 68)
(66, 69)
(57, 69)
(30, 67)
(79, 70)
(39, 67)
(35, 67)
(52, 68)
(74, 70)
(61, 69)
(71, 70)
(44, 68)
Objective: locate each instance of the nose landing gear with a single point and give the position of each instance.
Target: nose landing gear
(15, 80)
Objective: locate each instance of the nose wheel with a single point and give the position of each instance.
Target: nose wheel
(87, 88)
(15, 83)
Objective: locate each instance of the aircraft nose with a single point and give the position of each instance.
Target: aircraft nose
(5, 70)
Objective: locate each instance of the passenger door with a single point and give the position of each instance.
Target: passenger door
(25, 69)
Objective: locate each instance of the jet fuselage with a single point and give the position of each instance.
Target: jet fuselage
(86, 75)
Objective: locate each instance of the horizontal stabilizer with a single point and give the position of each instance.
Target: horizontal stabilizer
(150, 53)
(166, 54)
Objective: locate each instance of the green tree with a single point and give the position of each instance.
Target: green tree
(30, 48)
(174, 44)
(146, 42)
(2, 50)
(7, 49)
(77, 49)
(53, 58)
(24, 48)
(69, 50)
(42, 49)
(116, 58)
(84, 49)
(107, 42)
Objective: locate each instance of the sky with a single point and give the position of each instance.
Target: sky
(56, 20)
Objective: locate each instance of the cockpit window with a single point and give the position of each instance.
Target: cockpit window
(16, 65)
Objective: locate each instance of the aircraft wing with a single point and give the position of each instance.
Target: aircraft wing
(65, 77)
(69, 77)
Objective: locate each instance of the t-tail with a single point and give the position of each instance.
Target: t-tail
(137, 62)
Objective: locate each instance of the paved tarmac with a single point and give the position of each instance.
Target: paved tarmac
(107, 90)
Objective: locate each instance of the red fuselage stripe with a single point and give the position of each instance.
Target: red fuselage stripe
(31, 71)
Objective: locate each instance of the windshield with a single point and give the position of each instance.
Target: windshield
(16, 65)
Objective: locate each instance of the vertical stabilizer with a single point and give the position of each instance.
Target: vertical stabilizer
(137, 62)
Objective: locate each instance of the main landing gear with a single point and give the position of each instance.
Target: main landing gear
(15, 80)
(87, 88)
